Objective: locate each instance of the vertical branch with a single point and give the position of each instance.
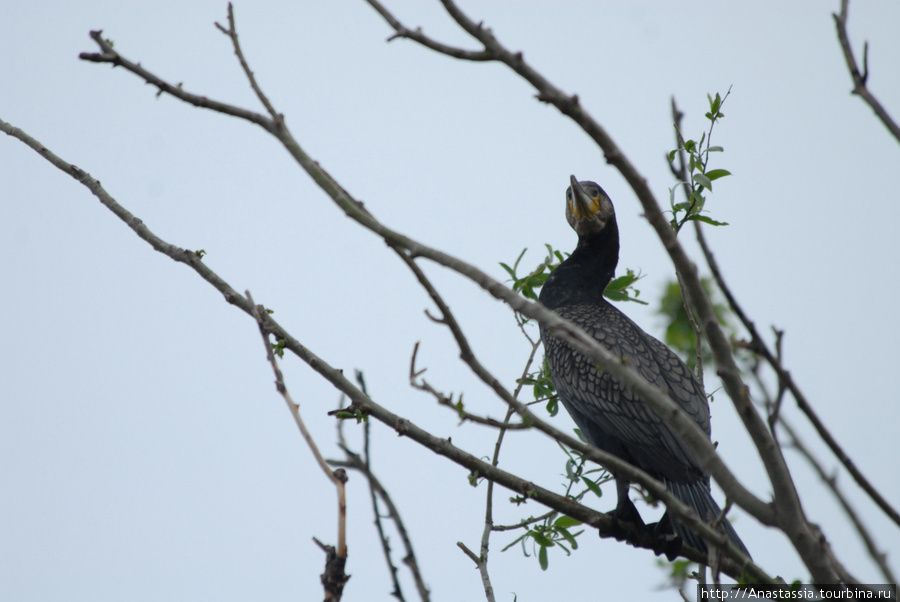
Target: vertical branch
(334, 578)
(363, 464)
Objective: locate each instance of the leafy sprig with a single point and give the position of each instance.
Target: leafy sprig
(695, 168)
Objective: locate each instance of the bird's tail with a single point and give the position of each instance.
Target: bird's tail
(697, 496)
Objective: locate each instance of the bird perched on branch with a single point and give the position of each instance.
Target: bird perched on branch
(608, 413)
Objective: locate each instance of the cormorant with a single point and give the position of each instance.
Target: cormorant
(609, 415)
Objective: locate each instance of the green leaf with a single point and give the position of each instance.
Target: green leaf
(594, 487)
(707, 220)
(542, 558)
(702, 179)
(553, 406)
(541, 539)
(564, 522)
(715, 174)
(715, 149)
(568, 537)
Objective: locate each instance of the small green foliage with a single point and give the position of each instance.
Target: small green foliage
(542, 387)
(200, 254)
(592, 486)
(680, 571)
(622, 289)
(278, 348)
(554, 529)
(460, 408)
(698, 177)
(680, 334)
(527, 285)
(352, 413)
(473, 478)
(553, 532)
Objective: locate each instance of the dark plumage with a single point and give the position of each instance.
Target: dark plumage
(609, 415)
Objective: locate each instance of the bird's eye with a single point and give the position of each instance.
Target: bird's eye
(569, 194)
(595, 193)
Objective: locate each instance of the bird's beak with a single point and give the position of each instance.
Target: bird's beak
(583, 206)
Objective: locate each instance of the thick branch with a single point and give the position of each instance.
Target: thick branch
(830, 480)
(789, 511)
(758, 345)
(683, 425)
(404, 427)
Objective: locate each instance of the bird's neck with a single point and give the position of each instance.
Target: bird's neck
(592, 265)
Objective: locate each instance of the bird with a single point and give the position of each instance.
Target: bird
(609, 414)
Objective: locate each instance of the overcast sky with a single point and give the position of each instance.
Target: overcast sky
(144, 452)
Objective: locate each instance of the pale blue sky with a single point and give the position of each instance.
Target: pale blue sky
(144, 452)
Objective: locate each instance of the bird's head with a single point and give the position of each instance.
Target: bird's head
(588, 207)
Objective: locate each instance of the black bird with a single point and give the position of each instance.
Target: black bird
(608, 413)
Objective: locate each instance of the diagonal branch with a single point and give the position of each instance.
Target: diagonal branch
(860, 77)
(790, 512)
(830, 480)
(416, 35)
(110, 56)
(758, 345)
(602, 522)
(231, 32)
(789, 517)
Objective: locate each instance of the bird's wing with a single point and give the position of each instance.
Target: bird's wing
(611, 415)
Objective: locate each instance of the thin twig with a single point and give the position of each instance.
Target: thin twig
(416, 35)
(758, 345)
(600, 521)
(334, 578)
(790, 516)
(112, 57)
(231, 32)
(830, 480)
(683, 425)
(417, 382)
(860, 77)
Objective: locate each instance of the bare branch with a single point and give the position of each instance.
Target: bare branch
(416, 35)
(334, 578)
(355, 462)
(830, 480)
(417, 382)
(683, 425)
(529, 490)
(758, 345)
(790, 516)
(231, 32)
(108, 55)
(860, 77)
